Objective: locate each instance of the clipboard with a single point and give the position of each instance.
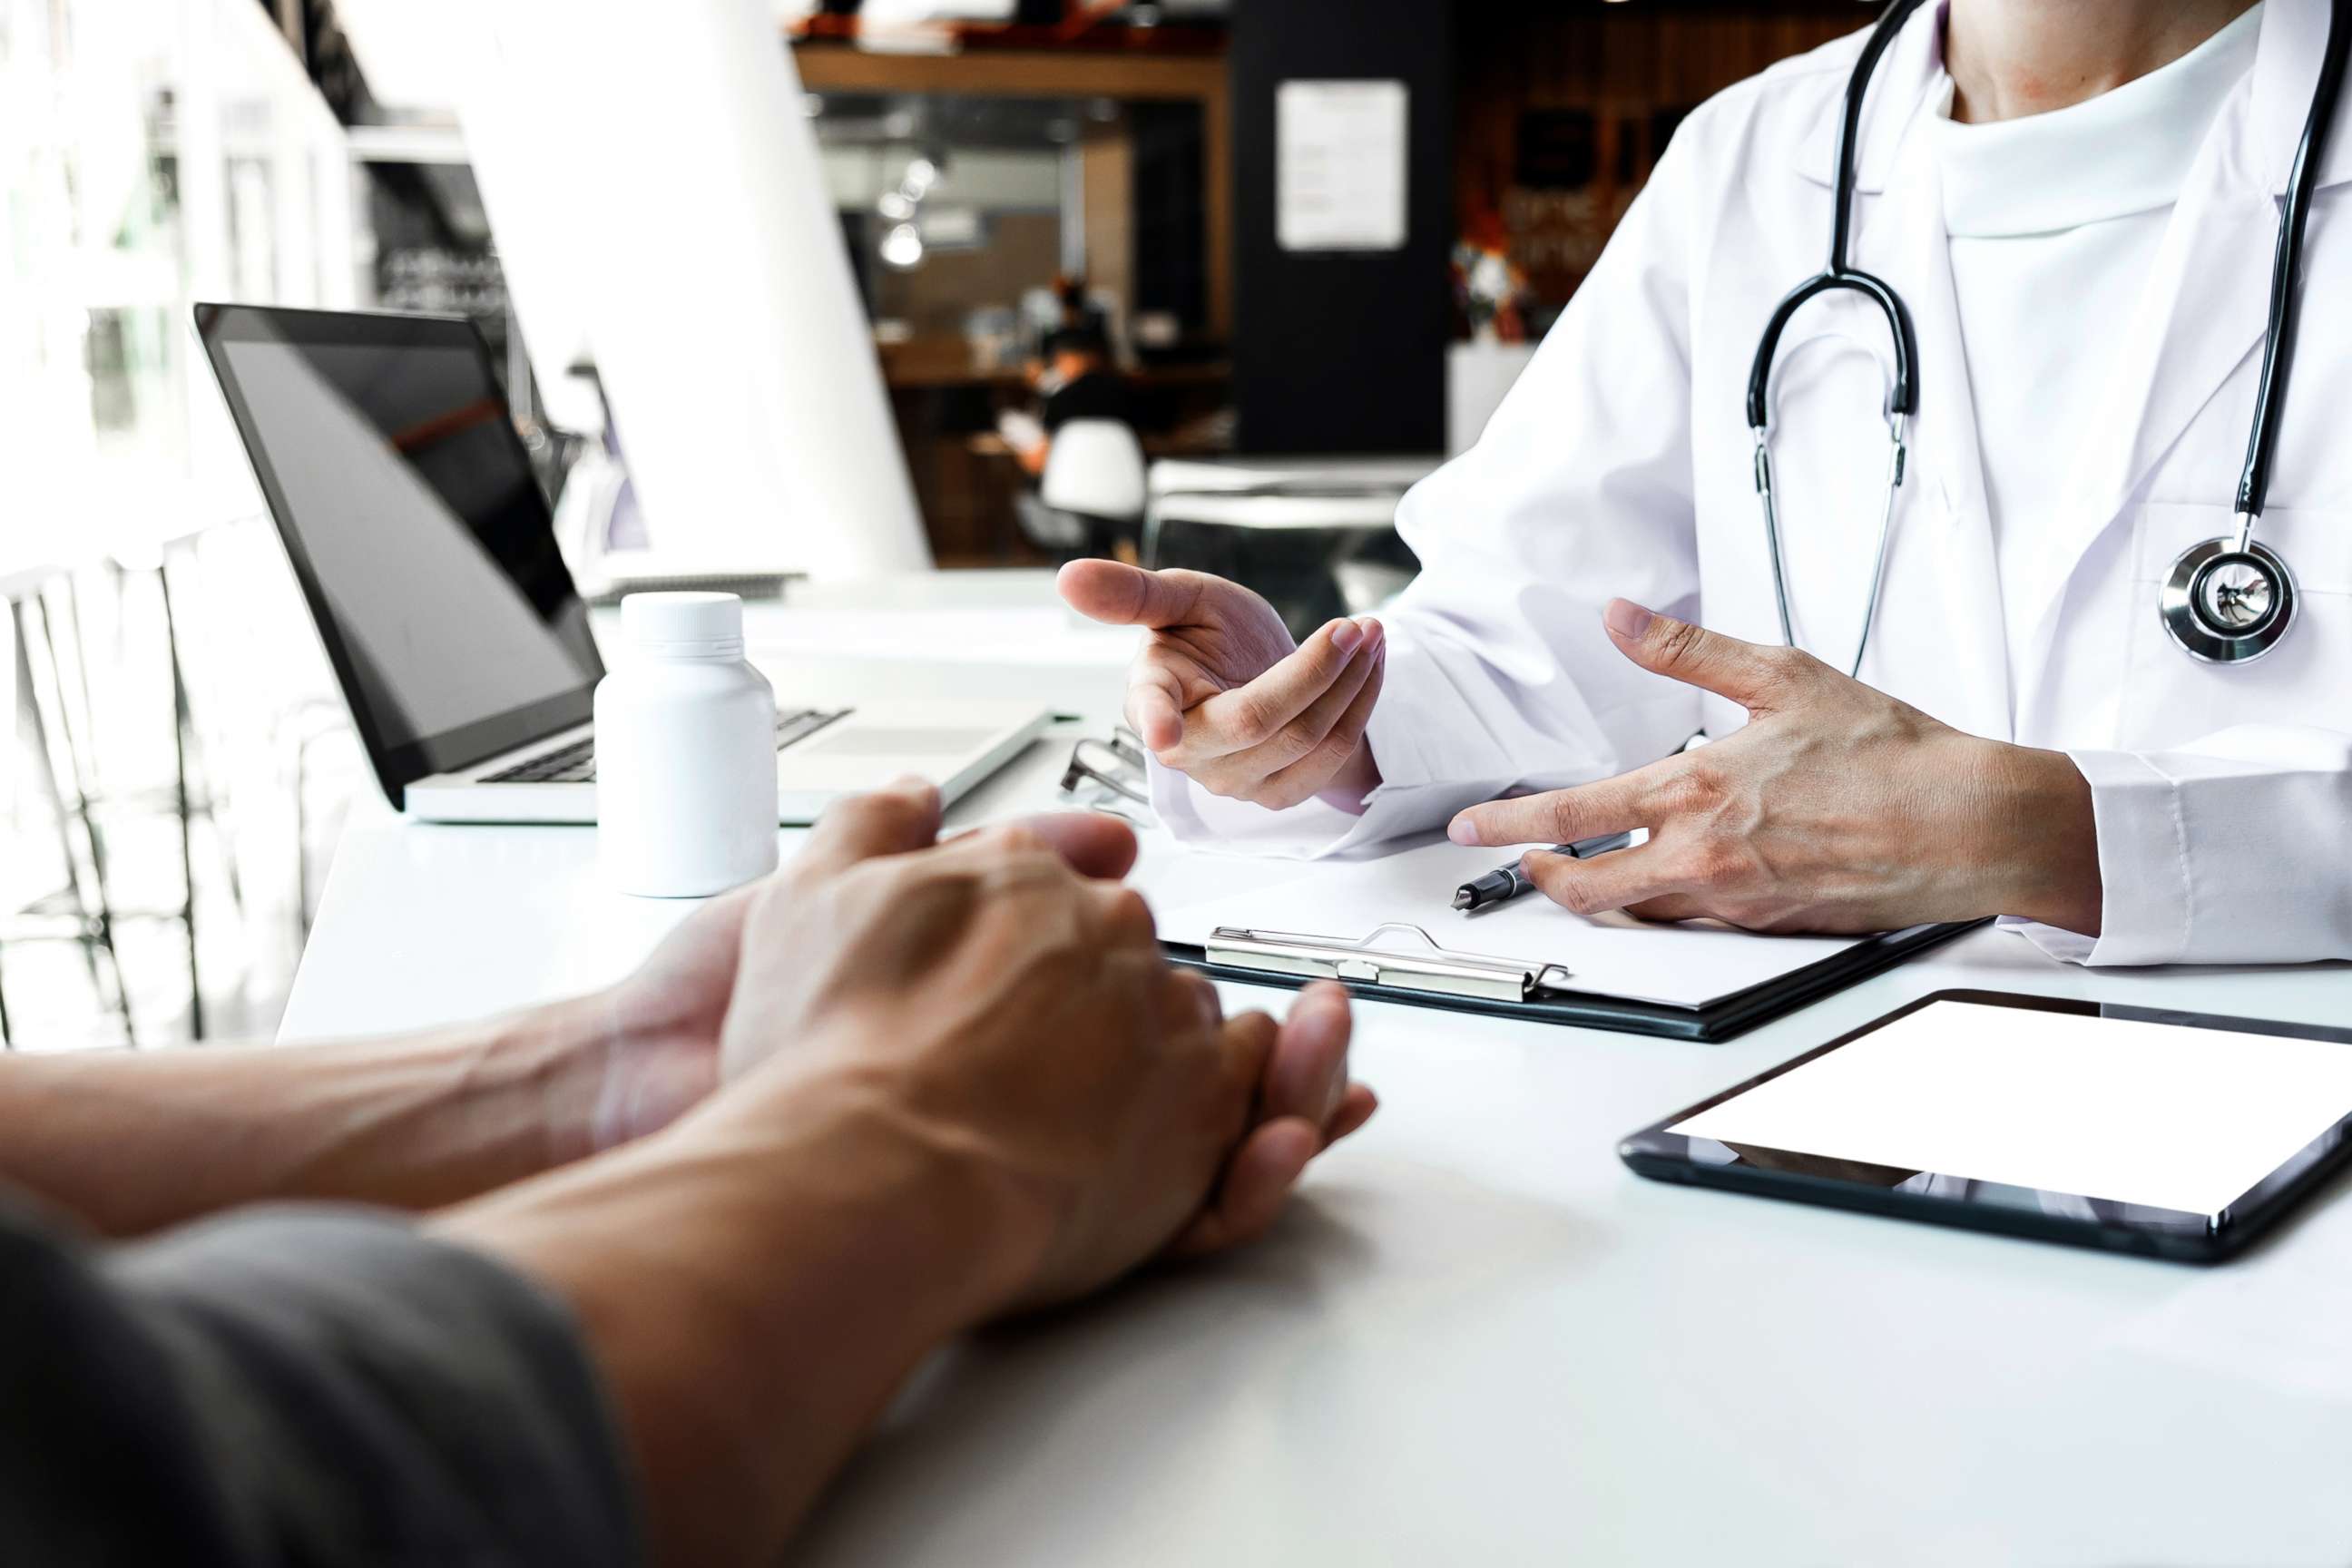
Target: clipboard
(1402, 963)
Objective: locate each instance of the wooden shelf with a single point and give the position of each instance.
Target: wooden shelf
(1068, 73)
(1167, 41)
(1013, 73)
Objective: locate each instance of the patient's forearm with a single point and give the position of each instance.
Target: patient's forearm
(132, 1141)
(754, 1284)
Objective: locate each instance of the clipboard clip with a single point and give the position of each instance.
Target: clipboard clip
(1368, 962)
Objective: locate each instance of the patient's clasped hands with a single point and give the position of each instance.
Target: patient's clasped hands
(959, 1080)
(1002, 1003)
(1005, 992)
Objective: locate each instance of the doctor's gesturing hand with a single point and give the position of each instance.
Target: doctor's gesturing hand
(1222, 693)
(1835, 808)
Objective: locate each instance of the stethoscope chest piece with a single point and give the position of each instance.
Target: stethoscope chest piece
(2228, 601)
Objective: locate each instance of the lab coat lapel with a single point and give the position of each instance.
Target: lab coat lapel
(2202, 315)
(1939, 624)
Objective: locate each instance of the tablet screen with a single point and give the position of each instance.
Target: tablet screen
(2124, 1109)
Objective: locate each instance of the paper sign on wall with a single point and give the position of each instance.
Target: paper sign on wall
(1340, 165)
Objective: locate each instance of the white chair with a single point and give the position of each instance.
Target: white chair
(1096, 473)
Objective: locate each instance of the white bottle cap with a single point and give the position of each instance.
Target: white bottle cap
(684, 624)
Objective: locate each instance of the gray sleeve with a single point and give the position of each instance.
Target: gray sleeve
(296, 1385)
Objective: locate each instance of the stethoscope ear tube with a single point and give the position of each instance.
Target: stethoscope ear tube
(1881, 33)
(2232, 600)
(1837, 274)
(2228, 600)
(1902, 399)
(2286, 267)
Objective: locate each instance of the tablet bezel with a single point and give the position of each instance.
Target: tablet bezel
(2136, 1228)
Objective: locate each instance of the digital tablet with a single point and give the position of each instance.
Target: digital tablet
(2178, 1135)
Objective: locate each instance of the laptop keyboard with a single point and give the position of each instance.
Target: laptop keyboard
(576, 763)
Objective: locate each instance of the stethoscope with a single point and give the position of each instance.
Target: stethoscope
(2228, 600)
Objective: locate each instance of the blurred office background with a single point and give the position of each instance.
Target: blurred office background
(1311, 242)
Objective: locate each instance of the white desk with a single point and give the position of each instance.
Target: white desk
(945, 636)
(1480, 1340)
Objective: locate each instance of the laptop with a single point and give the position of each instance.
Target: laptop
(385, 448)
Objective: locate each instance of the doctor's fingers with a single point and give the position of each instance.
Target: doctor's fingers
(1155, 700)
(1637, 876)
(1254, 713)
(1302, 755)
(1670, 907)
(1123, 596)
(1616, 804)
(1305, 778)
(1756, 677)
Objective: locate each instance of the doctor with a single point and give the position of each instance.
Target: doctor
(2075, 211)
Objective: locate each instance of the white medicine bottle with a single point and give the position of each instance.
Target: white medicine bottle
(685, 751)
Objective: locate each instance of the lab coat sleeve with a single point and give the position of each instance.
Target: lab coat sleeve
(2233, 852)
(1500, 680)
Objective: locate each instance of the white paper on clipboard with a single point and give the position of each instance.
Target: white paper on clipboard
(1687, 965)
(1340, 164)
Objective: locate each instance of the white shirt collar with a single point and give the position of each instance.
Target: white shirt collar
(2127, 151)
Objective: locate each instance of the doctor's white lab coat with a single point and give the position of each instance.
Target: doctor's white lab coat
(1622, 465)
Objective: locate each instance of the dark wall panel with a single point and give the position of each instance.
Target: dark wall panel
(1341, 353)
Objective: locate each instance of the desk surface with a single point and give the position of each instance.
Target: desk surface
(944, 636)
(1479, 1339)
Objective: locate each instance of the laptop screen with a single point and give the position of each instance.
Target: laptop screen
(409, 509)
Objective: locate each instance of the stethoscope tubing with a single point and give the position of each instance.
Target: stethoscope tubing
(1839, 274)
(2278, 347)
(2286, 274)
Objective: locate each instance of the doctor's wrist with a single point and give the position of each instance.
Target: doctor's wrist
(2048, 840)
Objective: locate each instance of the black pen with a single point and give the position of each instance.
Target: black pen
(1505, 883)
